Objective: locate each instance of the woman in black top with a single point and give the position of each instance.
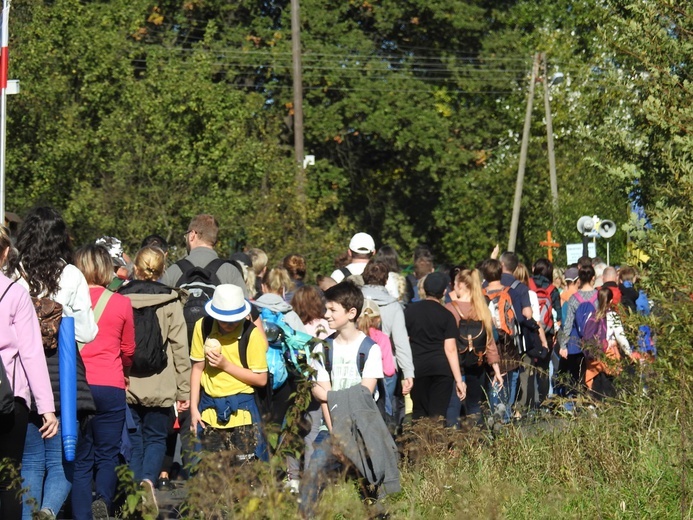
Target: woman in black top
(432, 334)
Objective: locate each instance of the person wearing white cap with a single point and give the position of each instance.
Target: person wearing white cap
(361, 249)
(223, 410)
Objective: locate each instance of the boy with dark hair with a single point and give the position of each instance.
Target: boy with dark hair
(346, 377)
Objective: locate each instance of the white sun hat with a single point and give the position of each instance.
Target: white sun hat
(228, 304)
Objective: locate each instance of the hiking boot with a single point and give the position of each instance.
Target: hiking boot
(149, 504)
(99, 510)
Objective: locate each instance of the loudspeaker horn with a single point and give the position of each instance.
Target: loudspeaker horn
(585, 224)
(607, 228)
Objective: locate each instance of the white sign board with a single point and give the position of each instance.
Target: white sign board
(574, 252)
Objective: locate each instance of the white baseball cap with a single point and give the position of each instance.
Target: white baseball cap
(362, 243)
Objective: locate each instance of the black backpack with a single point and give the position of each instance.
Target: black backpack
(150, 347)
(200, 283)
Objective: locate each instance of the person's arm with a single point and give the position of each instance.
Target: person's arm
(403, 355)
(32, 360)
(127, 338)
(450, 346)
(178, 342)
(195, 378)
(619, 334)
(79, 305)
(245, 375)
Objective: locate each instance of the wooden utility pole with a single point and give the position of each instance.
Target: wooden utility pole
(549, 143)
(298, 103)
(523, 158)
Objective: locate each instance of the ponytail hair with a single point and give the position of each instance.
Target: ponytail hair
(604, 299)
(472, 279)
(149, 263)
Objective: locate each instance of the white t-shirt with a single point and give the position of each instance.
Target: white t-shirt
(534, 304)
(345, 370)
(354, 268)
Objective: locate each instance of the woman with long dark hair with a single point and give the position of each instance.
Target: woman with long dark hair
(21, 354)
(43, 266)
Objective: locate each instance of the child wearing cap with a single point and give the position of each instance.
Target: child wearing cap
(228, 357)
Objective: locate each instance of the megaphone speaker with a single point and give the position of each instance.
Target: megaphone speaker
(607, 228)
(585, 224)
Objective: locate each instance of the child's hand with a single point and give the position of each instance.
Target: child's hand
(195, 420)
(216, 360)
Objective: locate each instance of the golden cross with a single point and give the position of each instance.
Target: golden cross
(550, 244)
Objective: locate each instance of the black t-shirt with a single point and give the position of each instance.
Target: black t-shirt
(429, 324)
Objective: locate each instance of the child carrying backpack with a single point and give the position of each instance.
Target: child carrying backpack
(581, 306)
(369, 323)
(223, 411)
(352, 422)
(603, 335)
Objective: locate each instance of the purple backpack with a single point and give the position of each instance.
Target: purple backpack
(582, 314)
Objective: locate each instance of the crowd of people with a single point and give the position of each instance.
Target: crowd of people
(174, 359)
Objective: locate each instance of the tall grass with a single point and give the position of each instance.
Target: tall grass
(624, 461)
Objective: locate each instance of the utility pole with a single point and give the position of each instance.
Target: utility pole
(4, 62)
(298, 103)
(549, 142)
(523, 157)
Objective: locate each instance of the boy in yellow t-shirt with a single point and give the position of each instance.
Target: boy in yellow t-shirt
(223, 410)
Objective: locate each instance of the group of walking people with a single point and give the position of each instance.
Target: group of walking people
(456, 342)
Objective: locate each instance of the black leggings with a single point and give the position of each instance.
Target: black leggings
(574, 367)
(431, 396)
(12, 436)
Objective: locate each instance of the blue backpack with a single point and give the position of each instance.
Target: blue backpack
(584, 311)
(289, 350)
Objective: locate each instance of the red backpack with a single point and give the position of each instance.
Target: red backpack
(545, 305)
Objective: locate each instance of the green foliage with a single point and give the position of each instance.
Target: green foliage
(131, 496)
(151, 114)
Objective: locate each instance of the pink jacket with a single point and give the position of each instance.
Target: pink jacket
(21, 347)
(385, 344)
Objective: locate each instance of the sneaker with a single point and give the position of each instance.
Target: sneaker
(149, 499)
(45, 514)
(99, 510)
(164, 484)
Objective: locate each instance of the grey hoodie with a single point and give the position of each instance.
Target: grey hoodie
(276, 303)
(392, 317)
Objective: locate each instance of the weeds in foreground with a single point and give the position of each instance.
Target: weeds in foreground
(622, 462)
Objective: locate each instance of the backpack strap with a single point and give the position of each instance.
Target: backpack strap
(7, 289)
(101, 304)
(98, 311)
(362, 355)
(185, 265)
(345, 271)
(243, 341)
(514, 284)
(214, 266)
